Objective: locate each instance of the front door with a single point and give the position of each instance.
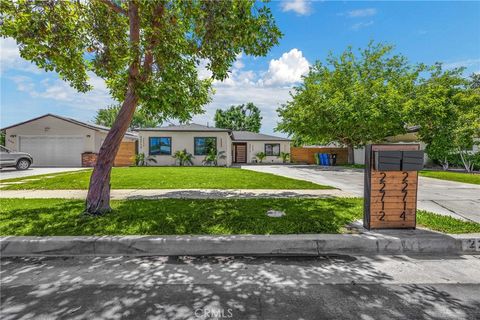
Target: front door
(240, 153)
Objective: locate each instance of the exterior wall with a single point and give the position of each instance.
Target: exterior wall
(254, 147)
(306, 155)
(50, 126)
(360, 153)
(184, 140)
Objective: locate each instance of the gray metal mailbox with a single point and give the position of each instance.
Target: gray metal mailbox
(412, 160)
(388, 160)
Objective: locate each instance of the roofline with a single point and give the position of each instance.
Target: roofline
(181, 130)
(277, 139)
(80, 123)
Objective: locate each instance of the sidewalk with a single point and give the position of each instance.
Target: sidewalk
(131, 194)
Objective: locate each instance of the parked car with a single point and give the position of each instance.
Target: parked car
(19, 160)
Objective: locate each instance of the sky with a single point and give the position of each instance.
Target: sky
(427, 32)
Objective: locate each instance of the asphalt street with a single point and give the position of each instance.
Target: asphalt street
(329, 287)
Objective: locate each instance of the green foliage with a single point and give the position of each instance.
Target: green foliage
(448, 111)
(2, 139)
(151, 46)
(183, 157)
(445, 223)
(285, 156)
(106, 117)
(242, 117)
(166, 178)
(212, 157)
(141, 160)
(353, 99)
(261, 156)
(464, 177)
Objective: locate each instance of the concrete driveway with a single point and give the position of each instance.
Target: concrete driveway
(460, 200)
(10, 173)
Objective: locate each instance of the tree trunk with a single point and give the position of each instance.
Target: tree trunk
(351, 154)
(98, 198)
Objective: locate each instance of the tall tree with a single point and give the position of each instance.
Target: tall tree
(106, 117)
(352, 99)
(146, 50)
(242, 117)
(447, 108)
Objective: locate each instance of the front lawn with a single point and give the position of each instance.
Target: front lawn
(473, 178)
(166, 178)
(60, 217)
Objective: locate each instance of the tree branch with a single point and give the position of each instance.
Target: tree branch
(114, 7)
(153, 41)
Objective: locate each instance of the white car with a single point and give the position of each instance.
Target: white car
(19, 160)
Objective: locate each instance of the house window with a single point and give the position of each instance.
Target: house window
(204, 145)
(272, 149)
(160, 146)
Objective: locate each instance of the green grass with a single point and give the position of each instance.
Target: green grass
(445, 224)
(167, 178)
(60, 217)
(473, 178)
(49, 217)
(353, 166)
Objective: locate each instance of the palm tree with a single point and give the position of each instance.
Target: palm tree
(261, 156)
(212, 157)
(285, 156)
(183, 157)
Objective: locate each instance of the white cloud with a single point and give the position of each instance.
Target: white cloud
(10, 57)
(301, 7)
(467, 63)
(286, 70)
(368, 12)
(361, 25)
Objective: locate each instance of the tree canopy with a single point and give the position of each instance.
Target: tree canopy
(147, 51)
(244, 117)
(106, 117)
(352, 99)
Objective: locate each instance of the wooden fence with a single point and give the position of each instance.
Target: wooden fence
(306, 155)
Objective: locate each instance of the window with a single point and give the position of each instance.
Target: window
(160, 146)
(204, 145)
(272, 149)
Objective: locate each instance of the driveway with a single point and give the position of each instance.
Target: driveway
(460, 200)
(9, 173)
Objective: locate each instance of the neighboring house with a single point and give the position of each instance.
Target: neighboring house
(54, 140)
(238, 146)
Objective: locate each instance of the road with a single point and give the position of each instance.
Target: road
(329, 287)
(460, 200)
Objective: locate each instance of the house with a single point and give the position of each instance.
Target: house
(238, 146)
(54, 140)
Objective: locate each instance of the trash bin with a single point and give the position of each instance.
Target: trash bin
(334, 159)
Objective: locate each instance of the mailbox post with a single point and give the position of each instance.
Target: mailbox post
(391, 183)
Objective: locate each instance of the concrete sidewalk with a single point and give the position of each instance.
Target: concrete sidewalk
(459, 200)
(131, 194)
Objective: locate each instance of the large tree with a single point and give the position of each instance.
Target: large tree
(353, 99)
(244, 117)
(146, 50)
(447, 108)
(141, 119)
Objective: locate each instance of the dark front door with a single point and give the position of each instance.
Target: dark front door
(240, 152)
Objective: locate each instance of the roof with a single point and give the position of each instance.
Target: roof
(252, 136)
(193, 127)
(71, 120)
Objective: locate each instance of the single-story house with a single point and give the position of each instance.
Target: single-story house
(238, 146)
(54, 140)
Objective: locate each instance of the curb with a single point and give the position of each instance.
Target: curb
(386, 243)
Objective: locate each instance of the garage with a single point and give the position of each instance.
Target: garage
(53, 150)
(58, 141)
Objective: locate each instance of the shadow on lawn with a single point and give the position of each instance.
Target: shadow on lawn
(182, 216)
(240, 287)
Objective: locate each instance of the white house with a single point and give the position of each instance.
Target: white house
(238, 146)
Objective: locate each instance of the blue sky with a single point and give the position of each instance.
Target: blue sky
(427, 32)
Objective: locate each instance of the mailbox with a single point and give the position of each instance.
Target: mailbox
(391, 181)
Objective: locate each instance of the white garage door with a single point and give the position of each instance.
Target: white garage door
(53, 150)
